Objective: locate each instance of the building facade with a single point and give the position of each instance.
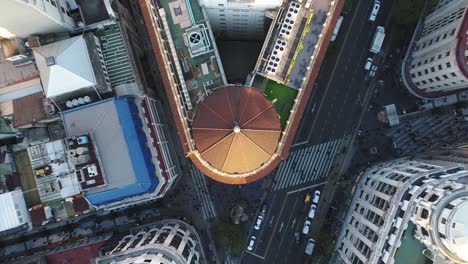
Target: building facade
(168, 241)
(436, 62)
(239, 19)
(431, 191)
(21, 18)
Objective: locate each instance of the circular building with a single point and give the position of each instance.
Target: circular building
(168, 241)
(236, 131)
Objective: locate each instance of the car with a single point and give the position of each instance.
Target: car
(312, 211)
(251, 243)
(259, 222)
(264, 209)
(297, 238)
(373, 71)
(310, 246)
(307, 198)
(368, 64)
(305, 229)
(316, 196)
(375, 11)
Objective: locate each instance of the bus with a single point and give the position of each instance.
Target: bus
(337, 28)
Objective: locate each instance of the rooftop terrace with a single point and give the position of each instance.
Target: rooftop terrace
(194, 49)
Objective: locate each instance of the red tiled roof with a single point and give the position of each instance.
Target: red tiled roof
(79, 255)
(37, 214)
(80, 204)
(28, 109)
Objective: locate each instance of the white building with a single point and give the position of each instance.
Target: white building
(431, 191)
(166, 242)
(22, 18)
(436, 63)
(239, 19)
(14, 215)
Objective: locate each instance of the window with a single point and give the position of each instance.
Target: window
(419, 73)
(445, 76)
(437, 78)
(426, 71)
(53, 3)
(440, 56)
(413, 75)
(432, 69)
(453, 74)
(447, 53)
(448, 65)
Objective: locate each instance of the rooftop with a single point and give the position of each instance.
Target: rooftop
(115, 55)
(236, 130)
(93, 11)
(121, 146)
(28, 109)
(194, 48)
(65, 66)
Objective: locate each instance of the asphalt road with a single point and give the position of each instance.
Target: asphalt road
(336, 100)
(286, 214)
(333, 111)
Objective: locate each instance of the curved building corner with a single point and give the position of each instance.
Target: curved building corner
(435, 64)
(169, 241)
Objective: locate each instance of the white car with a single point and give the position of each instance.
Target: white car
(368, 64)
(316, 197)
(305, 229)
(259, 222)
(373, 71)
(312, 211)
(375, 11)
(310, 246)
(251, 243)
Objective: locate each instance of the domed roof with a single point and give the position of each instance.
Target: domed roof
(458, 230)
(236, 129)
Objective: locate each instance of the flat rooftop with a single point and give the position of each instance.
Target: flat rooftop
(114, 126)
(195, 47)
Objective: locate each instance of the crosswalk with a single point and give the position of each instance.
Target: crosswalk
(207, 206)
(307, 164)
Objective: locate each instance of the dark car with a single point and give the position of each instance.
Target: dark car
(297, 238)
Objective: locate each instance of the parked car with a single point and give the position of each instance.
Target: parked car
(297, 238)
(368, 64)
(251, 243)
(259, 222)
(310, 246)
(316, 197)
(312, 211)
(373, 71)
(305, 229)
(375, 11)
(264, 210)
(307, 198)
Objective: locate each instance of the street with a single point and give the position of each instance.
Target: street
(338, 103)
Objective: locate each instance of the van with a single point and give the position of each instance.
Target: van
(310, 247)
(375, 11)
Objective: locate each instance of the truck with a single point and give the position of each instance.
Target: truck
(337, 28)
(378, 39)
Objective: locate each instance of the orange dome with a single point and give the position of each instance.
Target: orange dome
(236, 129)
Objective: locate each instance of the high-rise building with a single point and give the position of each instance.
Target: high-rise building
(231, 132)
(21, 18)
(168, 241)
(430, 190)
(436, 62)
(244, 19)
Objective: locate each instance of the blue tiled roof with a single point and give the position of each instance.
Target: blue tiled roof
(139, 153)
